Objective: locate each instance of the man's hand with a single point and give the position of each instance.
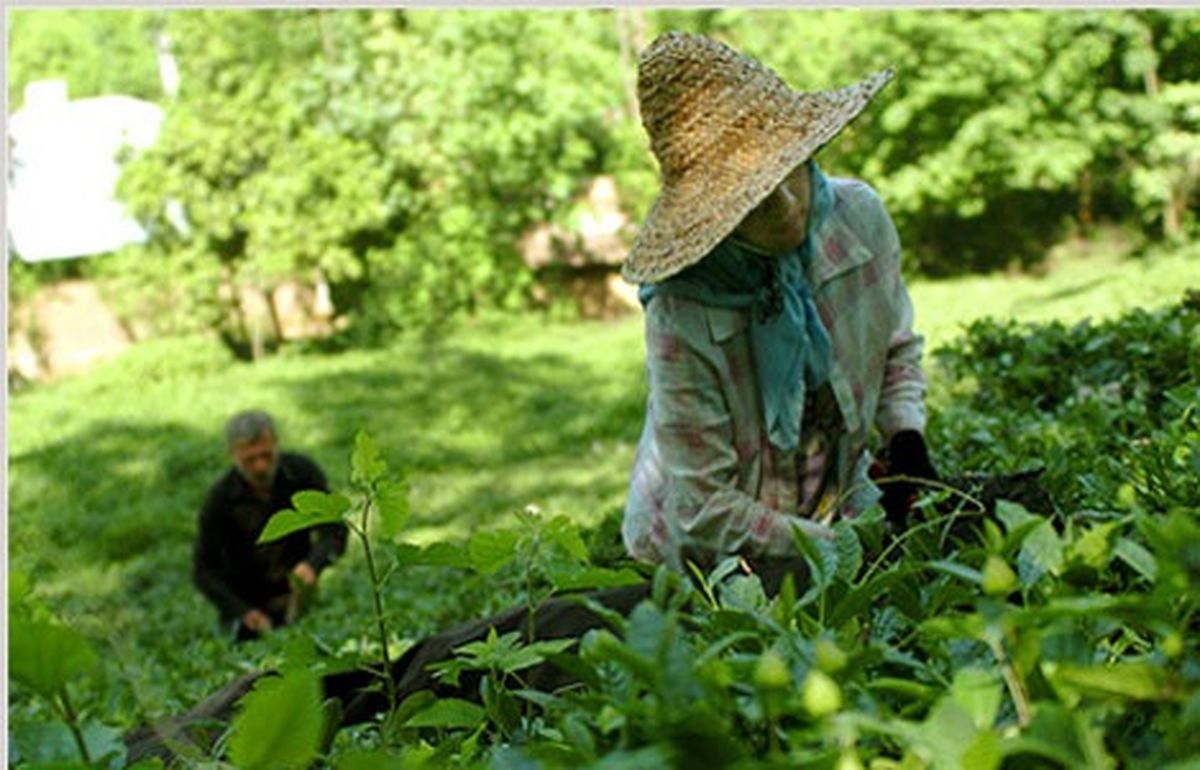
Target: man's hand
(257, 620)
(906, 455)
(306, 573)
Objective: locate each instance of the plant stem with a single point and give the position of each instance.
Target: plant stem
(72, 720)
(389, 685)
(1012, 679)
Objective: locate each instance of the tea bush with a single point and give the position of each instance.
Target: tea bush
(1029, 638)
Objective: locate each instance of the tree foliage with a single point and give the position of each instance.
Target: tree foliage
(97, 52)
(400, 155)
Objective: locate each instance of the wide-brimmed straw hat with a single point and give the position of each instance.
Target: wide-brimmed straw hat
(725, 130)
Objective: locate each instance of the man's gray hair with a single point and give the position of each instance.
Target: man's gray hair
(249, 425)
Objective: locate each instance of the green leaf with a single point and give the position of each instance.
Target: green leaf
(392, 499)
(953, 741)
(52, 745)
(448, 713)
(590, 578)
(1129, 681)
(366, 464)
(279, 723)
(563, 532)
(970, 574)
(849, 551)
(490, 550)
(288, 521)
(1092, 547)
(1041, 553)
(1137, 557)
(318, 504)
(433, 555)
(978, 692)
(46, 656)
(1012, 514)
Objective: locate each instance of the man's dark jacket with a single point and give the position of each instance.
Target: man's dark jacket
(233, 572)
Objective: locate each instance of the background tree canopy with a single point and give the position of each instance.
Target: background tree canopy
(399, 155)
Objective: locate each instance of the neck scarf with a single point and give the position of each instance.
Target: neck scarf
(792, 351)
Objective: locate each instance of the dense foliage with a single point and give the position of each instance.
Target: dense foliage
(400, 154)
(1036, 638)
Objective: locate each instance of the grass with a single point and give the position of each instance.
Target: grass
(108, 469)
(1083, 280)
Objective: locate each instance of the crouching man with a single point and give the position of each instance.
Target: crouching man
(257, 587)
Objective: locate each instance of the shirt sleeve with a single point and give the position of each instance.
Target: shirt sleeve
(902, 395)
(328, 540)
(691, 424)
(210, 560)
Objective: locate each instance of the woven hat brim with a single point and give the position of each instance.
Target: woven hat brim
(704, 205)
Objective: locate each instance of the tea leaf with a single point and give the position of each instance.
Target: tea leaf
(46, 656)
(279, 723)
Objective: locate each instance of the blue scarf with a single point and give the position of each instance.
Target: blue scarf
(792, 351)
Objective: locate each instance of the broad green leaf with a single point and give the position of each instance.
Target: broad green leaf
(279, 723)
(1136, 556)
(743, 592)
(1012, 514)
(977, 691)
(948, 734)
(366, 464)
(288, 521)
(1068, 736)
(448, 713)
(564, 533)
(1092, 547)
(490, 550)
(46, 656)
(591, 578)
(52, 745)
(849, 551)
(970, 626)
(970, 574)
(1041, 553)
(392, 499)
(435, 555)
(1133, 681)
(984, 753)
(318, 504)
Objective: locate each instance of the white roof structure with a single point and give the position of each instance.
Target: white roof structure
(63, 171)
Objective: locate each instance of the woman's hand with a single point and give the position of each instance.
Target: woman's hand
(906, 455)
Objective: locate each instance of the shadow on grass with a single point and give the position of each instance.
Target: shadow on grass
(486, 430)
(1066, 292)
(111, 491)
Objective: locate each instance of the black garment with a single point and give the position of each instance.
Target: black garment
(233, 572)
(906, 455)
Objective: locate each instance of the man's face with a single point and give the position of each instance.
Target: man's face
(257, 460)
(779, 223)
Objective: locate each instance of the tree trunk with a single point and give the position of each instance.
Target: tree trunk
(268, 296)
(1085, 202)
(628, 59)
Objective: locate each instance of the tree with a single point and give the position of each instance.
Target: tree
(95, 51)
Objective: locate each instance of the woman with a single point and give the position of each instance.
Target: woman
(778, 327)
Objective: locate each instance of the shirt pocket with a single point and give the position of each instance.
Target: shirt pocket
(725, 323)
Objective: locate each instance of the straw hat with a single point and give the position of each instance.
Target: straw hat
(726, 130)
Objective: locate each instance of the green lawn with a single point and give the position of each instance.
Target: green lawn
(1092, 281)
(108, 469)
